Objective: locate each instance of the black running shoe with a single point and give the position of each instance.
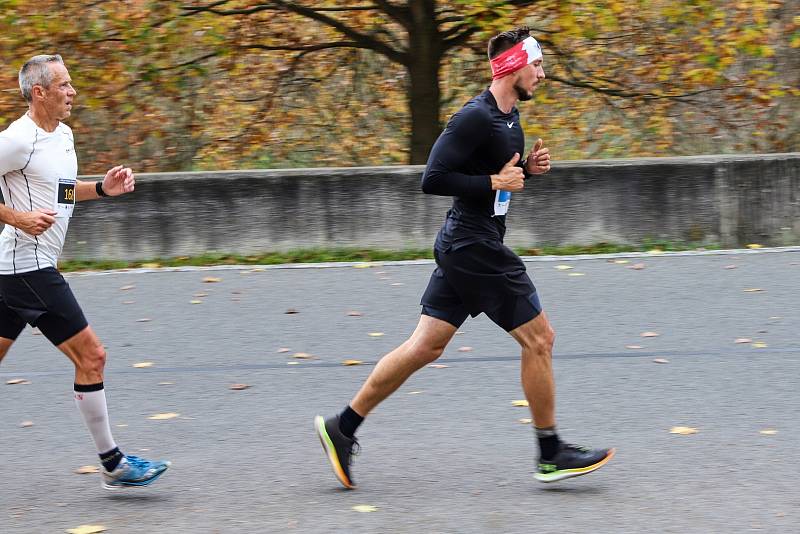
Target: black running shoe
(572, 461)
(339, 448)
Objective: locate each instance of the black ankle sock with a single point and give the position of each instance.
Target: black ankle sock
(349, 421)
(111, 459)
(548, 442)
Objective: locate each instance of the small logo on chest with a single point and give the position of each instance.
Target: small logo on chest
(510, 124)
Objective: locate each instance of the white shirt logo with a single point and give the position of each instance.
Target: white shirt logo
(510, 124)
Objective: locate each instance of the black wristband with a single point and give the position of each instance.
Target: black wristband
(98, 186)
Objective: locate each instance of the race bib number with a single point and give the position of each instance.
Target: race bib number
(65, 197)
(501, 201)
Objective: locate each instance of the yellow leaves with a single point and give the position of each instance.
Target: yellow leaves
(576, 274)
(683, 430)
(753, 290)
(87, 470)
(87, 529)
(164, 416)
(520, 403)
(150, 265)
(143, 365)
(768, 432)
(375, 334)
(365, 508)
(211, 280)
(759, 345)
(352, 362)
(754, 246)
(195, 301)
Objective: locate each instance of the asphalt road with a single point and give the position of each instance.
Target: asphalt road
(447, 453)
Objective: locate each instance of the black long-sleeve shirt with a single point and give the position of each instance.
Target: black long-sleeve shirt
(478, 140)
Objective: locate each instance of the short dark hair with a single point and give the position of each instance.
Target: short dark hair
(502, 42)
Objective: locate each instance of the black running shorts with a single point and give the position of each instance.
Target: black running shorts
(485, 277)
(42, 299)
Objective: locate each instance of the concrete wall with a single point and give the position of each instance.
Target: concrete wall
(729, 200)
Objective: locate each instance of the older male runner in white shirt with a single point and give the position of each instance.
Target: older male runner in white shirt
(38, 179)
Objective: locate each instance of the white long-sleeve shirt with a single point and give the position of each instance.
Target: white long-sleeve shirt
(38, 169)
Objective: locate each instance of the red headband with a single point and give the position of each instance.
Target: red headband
(513, 59)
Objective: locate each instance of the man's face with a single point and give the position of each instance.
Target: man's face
(528, 78)
(57, 98)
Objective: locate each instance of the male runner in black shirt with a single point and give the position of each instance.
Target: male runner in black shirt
(476, 273)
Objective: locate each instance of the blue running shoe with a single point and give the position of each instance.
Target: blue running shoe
(134, 472)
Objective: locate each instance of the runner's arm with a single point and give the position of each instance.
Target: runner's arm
(464, 133)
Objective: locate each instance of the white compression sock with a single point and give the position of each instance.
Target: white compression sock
(91, 402)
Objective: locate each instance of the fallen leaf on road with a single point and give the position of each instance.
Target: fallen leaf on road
(292, 363)
(753, 246)
(661, 360)
(200, 294)
(525, 421)
(150, 265)
(238, 387)
(365, 508)
(375, 334)
(26, 424)
(291, 311)
(362, 266)
(633, 346)
(143, 320)
(414, 392)
(87, 529)
(352, 362)
(87, 470)
(283, 349)
(768, 432)
(195, 301)
(127, 288)
(520, 403)
(302, 356)
(621, 262)
(563, 267)
(576, 274)
(464, 349)
(438, 366)
(743, 340)
(637, 266)
(15, 381)
(655, 251)
(164, 416)
(128, 301)
(753, 290)
(211, 280)
(759, 345)
(397, 283)
(649, 334)
(354, 313)
(142, 365)
(730, 267)
(166, 383)
(683, 430)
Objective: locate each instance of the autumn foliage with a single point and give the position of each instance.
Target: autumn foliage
(165, 86)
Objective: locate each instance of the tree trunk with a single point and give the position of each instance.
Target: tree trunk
(424, 96)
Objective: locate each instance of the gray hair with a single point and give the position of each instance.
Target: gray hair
(36, 72)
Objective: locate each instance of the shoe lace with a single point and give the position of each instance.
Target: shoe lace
(135, 461)
(579, 448)
(355, 450)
